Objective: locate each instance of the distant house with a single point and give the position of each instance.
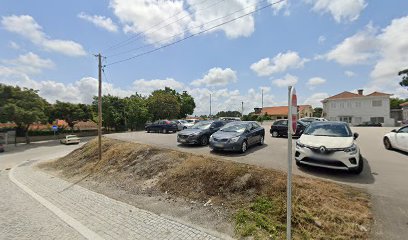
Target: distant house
(281, 112)
(356, 108)
(404, 111)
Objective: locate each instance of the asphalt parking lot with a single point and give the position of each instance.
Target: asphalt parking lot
(384, 174)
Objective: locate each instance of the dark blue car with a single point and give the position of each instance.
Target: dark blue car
(163, 126)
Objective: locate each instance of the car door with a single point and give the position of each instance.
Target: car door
(401, 138)
(155, 126)
(283, 128)
(257, 134)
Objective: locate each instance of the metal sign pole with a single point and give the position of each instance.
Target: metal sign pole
(289, 176)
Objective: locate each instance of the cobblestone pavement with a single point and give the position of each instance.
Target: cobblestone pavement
(105, 217)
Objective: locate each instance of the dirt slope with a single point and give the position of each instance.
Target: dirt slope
(254, 197)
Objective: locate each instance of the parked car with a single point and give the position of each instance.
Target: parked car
(397, 139)
(70, 139)
(280, 128)
(199, 133)
(163, 126)
(181, 124)
(191, 122)
(238, 136)
(1, 148)
(369, 124)
(309, 120)
(330, 145)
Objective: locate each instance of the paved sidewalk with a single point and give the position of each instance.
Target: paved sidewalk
(98, 215)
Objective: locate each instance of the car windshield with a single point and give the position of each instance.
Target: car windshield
(234, 128)
(202, 125)
(328, 129)
(182, 121)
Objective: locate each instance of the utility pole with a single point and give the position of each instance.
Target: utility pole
(262, 100)
(242, 109)
(210, 107)
(99, 107)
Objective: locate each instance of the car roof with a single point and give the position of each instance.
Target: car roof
(329, 122)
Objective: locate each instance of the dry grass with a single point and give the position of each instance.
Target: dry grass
(256, 196)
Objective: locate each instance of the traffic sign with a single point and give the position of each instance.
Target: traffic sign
(54, 128)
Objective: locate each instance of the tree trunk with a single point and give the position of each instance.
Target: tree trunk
(26, 134)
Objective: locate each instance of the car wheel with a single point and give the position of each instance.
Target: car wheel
(360, 167)
(387, 144)
(148, 130)
(275, 134)
(164, 131)
(244, 146)
(204, 140)
(261, 142)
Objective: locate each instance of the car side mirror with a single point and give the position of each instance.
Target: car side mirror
(355, 136)
(394, 130)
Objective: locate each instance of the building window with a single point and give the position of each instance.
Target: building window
(377, 119)
(333, 105)
(346, 119)
(358, 104)
(349, 104)
(377, 103)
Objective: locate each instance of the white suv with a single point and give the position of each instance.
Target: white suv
(330, 145)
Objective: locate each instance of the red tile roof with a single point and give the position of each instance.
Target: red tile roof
(281, 110)
(346, 95)
(404, 104)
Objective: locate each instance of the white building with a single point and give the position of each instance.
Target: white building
(358, 108)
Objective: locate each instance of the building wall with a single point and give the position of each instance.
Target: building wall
(405, 113)
(306, 112)
(359, 109)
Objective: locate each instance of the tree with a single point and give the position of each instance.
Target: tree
(228, 114)
(317, 112)
(187, 104)
(404, 82)
(395, 102)
(21, 106)
(136, 111)
(113, 112)
(163, 105)
(71, 112)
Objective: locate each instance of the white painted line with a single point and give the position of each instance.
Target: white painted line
(83, 230)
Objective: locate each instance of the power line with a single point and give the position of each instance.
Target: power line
(195, 34)
(136, 36)
(186, 30)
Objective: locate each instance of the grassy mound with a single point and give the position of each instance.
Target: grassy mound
(256, 196)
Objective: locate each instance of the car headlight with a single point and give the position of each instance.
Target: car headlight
(234, 139)
(299, 145)
(211, 138)
(352, 149)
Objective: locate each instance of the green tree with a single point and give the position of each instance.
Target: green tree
(70, 112)
(228, 114)
(187, 104)
(163, 104)
(136, 110)
(395, 102)
(21, 106)
(113, 112)
(404, 82)
(317, 112)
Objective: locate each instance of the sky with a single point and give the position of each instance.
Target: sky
(322, 47)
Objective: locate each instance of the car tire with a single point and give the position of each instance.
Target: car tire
(359, 168)
(387, 144)
(164, 131)
(275, 134)
(261, 142)
(148, 130)
(244, 146)
(204, 141)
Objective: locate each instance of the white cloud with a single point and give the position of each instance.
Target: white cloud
(216, 77)
(350, 73)
(288, 80)
(341, 10)
(173, 19)
(281, 6)
(315, 99)
(280, 63)
(27, 27)
(30, 63)
(312, 82)
(321, 39)
(146, 86)
(100, 21)
(357, 49)
(14, 45)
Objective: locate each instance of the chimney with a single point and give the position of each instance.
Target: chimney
(360, 92)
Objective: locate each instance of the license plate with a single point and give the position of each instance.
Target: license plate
(219, 145)
(182, 140)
